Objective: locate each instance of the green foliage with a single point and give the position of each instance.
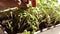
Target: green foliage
(45, 8)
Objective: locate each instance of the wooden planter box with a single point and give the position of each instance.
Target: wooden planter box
(7, 12)
(52, 30)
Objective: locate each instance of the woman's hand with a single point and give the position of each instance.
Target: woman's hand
(33, 2)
